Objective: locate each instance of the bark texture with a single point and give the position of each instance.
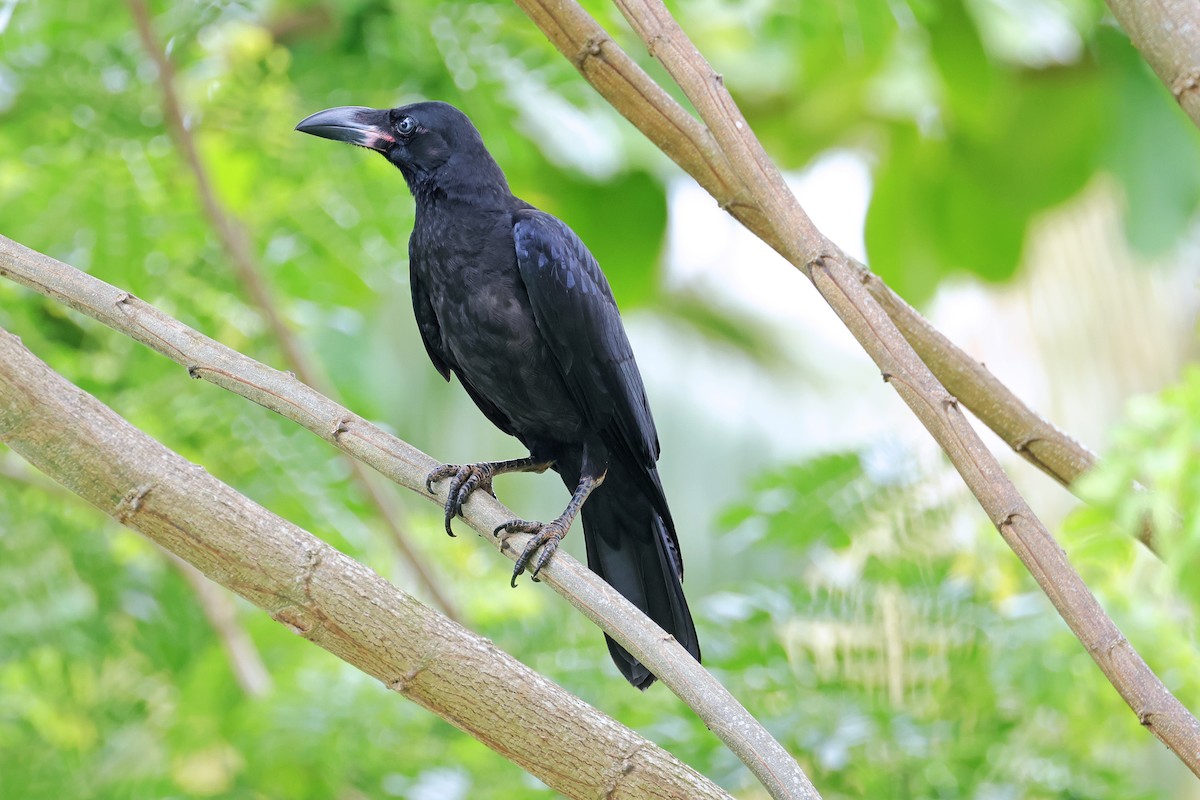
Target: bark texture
(324, 595)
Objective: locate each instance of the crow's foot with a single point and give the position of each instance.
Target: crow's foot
(546, 536)
(466, 479)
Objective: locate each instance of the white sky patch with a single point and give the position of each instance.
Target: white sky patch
(709, 250)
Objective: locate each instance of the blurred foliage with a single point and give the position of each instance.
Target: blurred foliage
(1158, 446)
(929, 662)
(978, 116)
(896, 649)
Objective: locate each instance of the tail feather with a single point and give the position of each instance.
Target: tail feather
(630, 546)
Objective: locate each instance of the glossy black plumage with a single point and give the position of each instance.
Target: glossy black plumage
(509, 300)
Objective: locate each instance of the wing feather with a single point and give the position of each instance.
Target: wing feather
(575, 312)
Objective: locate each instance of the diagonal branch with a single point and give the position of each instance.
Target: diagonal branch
(233, 239)
(401, 462)
(325, 596)
(693, 147)
(840, 282)
(1167, 32)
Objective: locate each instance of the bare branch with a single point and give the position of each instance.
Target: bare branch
(692, 146)
(235, 242)
(407, 466)
(840, 282)
(325, 596)
(1167, 32)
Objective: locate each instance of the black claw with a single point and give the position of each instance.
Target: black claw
(521, 526)
(545, 538)
(517, 526)
(453, 500)
(464, 480)
(522, 560)
(548, 549)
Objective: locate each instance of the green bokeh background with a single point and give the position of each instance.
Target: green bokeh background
(871, 620)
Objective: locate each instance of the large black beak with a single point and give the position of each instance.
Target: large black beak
(365, 127)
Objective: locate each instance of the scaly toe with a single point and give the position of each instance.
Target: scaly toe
(546, 537)
(464, 479)
(441, 473)
(548, 549)
(517, 526)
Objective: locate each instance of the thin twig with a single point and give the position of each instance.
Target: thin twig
(325, 596)
(840, 283)
(231, 234)
(1167, 32)
(692, 146)
(401, 462)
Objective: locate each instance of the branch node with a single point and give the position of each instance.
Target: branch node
(297, 619)
(1187, 82)
(131, 503)
(887, 376)
(1023, 445)
(818, 262)
(719, 80)
(653, 42)
(341, 425)
(194, 371)
(627, 764)
(122, 298)
(314, 560)
(592, 48)
(949, 401)
(402, 683)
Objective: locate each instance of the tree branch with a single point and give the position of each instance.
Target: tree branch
(407, 466)
(234, 241)
(1167, 32)
(692, 146)
(325, 596)
(840, 282)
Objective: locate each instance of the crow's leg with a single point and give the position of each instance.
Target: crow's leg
(547, 535)
(469, 477)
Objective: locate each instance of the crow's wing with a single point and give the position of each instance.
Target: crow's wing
(575, 313)
(427, 324)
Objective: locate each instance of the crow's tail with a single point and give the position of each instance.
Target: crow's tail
(632, 547)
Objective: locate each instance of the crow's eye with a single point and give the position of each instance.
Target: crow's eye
(406, 126)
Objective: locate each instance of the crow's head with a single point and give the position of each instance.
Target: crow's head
(432, 143)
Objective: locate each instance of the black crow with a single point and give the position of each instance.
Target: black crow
(508, 299)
